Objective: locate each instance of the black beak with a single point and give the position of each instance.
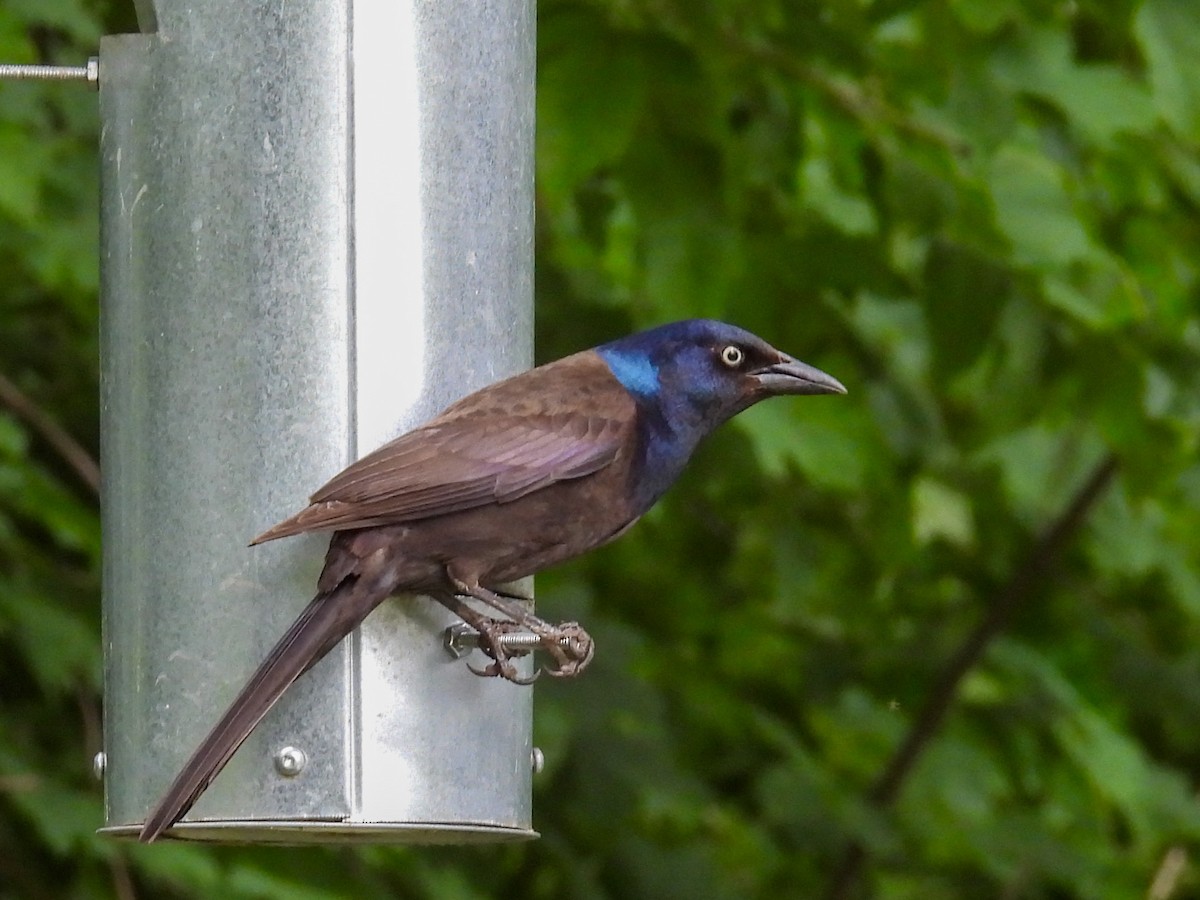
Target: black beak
(790, 376)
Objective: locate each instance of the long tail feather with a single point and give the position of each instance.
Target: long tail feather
(324, 622)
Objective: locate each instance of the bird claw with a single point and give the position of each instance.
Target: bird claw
(572, 650)
(569, 645)
(505, 670)
(490, 631)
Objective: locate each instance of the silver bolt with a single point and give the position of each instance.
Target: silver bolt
(523, 640)
(290, 761)
(99, 764)
(539, 760)
(20, 72)
(460, 639)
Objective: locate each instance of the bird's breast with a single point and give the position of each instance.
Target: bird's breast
(503, 542)
(659, 454)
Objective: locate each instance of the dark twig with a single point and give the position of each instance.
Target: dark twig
(122, 880)
(52, 433)
(1023, 582)
(90, 717)
(1168, 874)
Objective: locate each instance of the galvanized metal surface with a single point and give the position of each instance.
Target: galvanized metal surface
(291, 275)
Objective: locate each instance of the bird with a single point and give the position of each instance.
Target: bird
(510, 480)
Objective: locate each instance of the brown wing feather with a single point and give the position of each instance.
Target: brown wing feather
(494, 446)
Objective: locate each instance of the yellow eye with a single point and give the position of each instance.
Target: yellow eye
(733, 356)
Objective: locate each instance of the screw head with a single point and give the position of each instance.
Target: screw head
(290, 761)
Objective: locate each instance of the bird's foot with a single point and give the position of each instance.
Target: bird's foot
(491, 632)
(502, 668)
(571, 648)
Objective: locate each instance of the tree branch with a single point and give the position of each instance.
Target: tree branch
(1020, 586)
(71, 452)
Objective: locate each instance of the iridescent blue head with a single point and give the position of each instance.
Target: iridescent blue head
(714, 369)
(688, 377)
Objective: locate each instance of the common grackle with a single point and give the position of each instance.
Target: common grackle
(521, 475)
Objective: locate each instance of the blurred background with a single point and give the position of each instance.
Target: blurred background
(935, 639)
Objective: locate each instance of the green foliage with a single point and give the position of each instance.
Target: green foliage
(982, 216)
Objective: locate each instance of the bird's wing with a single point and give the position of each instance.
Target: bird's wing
(460, 462)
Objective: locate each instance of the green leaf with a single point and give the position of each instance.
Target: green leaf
(14, 442)
(941, 512)
(985, 16)
(1041, 467)
(58, 644)
(1102, 296)
(20, 158)
(1100, 100)
(820, 190)
(591, 94)
(1169, 31)
(824, 440)
(72, 16)
(1035, 212)
(965, 292)
(64, 818)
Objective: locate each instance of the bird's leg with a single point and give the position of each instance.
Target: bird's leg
(489, 632)
(568, 644)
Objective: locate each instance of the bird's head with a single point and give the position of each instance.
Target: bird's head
(699, 373)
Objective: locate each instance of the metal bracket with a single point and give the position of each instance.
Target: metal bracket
(89, 73)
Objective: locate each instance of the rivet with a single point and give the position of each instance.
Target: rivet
(290, 761)
(538, 760)
(99, 764)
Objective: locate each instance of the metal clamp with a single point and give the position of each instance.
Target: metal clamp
(20, 72)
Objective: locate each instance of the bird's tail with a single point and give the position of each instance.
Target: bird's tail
(325, 621)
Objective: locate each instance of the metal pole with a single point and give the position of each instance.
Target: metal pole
(316, 233)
